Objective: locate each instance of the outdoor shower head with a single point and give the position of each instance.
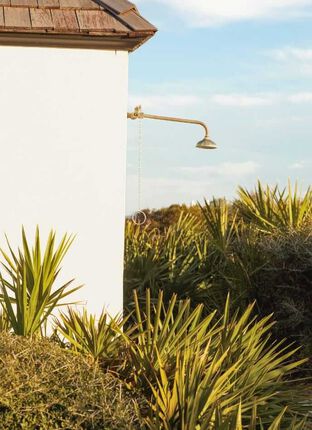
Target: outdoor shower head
(206, 143)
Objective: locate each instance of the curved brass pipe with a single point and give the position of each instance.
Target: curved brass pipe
(137, 114)
(205, 143)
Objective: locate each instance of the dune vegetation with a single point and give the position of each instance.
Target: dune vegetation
(211, 294)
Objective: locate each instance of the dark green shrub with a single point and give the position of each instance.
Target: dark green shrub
(284, 285)
(163, 218)
(191, 367)
(258, 248)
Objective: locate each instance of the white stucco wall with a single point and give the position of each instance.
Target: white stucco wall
(63, 147)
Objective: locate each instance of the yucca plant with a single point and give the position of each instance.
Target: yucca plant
(160, 329)
(190, 366)
(236, 421)
(98, 339)
(220, 224)
(29, 295)
(4, 322)
(174, 261)
(194, 400)
(270, 209)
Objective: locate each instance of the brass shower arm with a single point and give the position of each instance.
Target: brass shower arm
(205, 143)
(138, 114)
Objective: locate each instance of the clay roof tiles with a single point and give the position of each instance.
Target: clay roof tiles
(23, 21)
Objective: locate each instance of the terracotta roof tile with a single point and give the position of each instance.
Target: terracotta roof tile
(17, 17)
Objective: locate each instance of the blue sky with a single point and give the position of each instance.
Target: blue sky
(242, 66)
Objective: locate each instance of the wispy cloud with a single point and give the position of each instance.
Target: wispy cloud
(164, 101)
(207, 13)
(289, 53)
(300, 165)
(165, 191)
(243, 100)
(249, 101)
(232, 169)
(304, 97)
(190, 184)
(295, 59)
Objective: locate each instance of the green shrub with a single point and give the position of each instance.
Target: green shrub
(269, 208)
(161, 219)
(97, 338)
(174, 261)
(194, 368)
(197, 371)
(45, 387)
(284, 285)
(257, 248)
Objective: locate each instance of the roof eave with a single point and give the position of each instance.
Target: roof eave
(108, 41)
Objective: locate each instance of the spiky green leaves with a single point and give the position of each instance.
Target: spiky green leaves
(29, 295)
(271, 209)
(198, 369)
(98, 338)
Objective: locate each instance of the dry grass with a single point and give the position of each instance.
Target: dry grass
(45, 387)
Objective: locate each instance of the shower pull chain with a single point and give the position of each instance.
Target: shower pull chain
(139, 217)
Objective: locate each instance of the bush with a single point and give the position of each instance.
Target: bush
(174, 261)
(45, 387)
(193, 369)
(257, 248)
(161, 219)
(284, 285)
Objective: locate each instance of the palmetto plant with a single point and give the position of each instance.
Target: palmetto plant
(220, 223)
(160, 330)
(235, 421)
(204, 258)
(173, 261)
(96, 338)
(195, 369)
(270, 209)
(4, 322)
(28, 288)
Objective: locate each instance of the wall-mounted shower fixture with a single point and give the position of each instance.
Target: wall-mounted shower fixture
(205, 143)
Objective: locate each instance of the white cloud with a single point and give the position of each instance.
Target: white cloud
(173, 102)
(226, 169)
(296, 60)
(301, 97)
(243, 100)
(299, 165)
(163, 101)
(163, 191)
(207, 12)
(288, 53)
(190, 184)
(248, 101)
